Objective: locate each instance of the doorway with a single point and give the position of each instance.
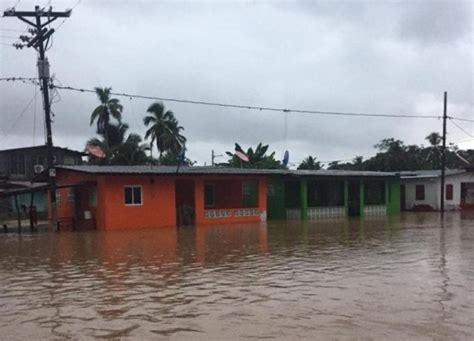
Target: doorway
(185, 207)
(353, 201)
(403, 204)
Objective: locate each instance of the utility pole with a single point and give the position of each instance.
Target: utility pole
(443, 151)
(213, 157)
(41, 37)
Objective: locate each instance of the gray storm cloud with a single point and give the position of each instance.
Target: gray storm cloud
(379, 57)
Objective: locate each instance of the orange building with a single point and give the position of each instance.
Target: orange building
(128, 197)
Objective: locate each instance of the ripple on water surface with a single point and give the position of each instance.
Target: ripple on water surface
(405, 277)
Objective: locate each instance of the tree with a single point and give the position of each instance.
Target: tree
(433, 152)
(107, 107)
(310, 163)
(120, 150)
(258, 158)
(164, 130)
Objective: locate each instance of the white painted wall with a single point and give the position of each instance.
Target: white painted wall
(433, 191)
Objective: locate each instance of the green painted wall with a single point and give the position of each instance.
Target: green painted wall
(393, 196)
(362, 198)
(276, 209)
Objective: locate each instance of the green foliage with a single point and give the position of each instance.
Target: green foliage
(164, 130)
(310, 163)
(258, 158)
(120, 150)
(108, 107)
(393, 155)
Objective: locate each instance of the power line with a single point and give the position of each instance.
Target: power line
(7, 132)
(461, 119)
(461, 128)
(250, 107)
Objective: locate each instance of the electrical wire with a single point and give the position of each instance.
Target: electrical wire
(461, 119)
(11, 128)
(251, 107)
(461, 128)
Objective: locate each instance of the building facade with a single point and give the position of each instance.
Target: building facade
(316, 195)
(127, 197)
(19, 167)
(421, 190)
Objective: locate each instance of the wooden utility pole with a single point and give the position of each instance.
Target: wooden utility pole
(214, 156)
(39, 41)
(443, 150)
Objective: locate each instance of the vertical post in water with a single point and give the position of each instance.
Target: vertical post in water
(443, 151)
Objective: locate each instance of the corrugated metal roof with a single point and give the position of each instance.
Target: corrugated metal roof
(219, 171)
(42, 147)
(435, 173)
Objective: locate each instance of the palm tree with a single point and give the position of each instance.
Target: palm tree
(164, 129)
(108, 107)
(434, 151)
(131, 152)
(120, 150)
(173, 140)
(310, 163)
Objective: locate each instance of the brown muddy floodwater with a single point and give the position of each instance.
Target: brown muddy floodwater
(409, 277)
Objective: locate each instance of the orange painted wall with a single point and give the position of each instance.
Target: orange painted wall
(157, 208)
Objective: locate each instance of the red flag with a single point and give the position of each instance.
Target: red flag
(96, 151)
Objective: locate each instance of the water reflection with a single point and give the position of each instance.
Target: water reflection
(405, 277)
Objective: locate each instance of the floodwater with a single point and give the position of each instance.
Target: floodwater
(409, 277)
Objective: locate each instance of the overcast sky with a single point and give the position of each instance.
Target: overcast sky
(386, 57)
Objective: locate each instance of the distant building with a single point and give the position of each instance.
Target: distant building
(21, 171)
(23, 164)
(421, 190)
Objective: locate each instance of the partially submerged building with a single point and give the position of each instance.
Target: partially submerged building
(314, 195)
(22, 179)
(421, 190)
(126, 197)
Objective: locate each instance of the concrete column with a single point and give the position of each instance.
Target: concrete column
(199, 200)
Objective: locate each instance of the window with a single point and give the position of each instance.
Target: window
(374, 193)
(133, 195)
(420, 192)
(325, 193)
(208, 195)
(449, 192)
